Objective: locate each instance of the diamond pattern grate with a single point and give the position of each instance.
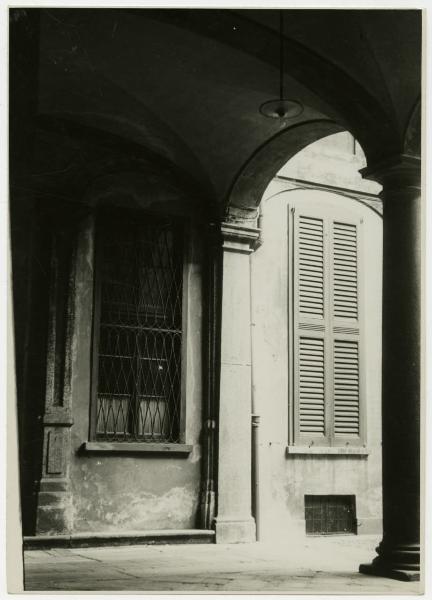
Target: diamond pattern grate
(140, 336)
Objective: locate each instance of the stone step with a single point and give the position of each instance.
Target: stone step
(129, 538)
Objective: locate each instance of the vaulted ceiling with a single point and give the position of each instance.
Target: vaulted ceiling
(186, 85)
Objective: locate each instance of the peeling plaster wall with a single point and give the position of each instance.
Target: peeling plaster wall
(114, 493)
(285, 480)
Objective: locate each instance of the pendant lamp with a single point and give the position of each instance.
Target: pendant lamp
(281, 108)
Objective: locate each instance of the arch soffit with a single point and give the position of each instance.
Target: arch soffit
(248, 187)
(134, 169)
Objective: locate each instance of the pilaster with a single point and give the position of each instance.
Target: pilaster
(54, 500)
(234, 522)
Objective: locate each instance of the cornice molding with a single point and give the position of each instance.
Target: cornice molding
(239, 238)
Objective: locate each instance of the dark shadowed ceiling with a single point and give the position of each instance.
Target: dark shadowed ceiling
(186, 85)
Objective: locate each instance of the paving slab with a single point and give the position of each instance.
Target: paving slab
(304, 565)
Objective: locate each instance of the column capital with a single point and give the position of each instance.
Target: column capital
(396, 172)
(239, 238)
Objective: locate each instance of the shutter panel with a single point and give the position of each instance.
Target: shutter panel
(311, 386)
(311, 349)
(346, 332)
(311, 266)
(345, 270)
(346, 387)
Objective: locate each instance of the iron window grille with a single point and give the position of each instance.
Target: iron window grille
(137, 329)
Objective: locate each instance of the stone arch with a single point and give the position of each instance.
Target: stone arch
(248, 188)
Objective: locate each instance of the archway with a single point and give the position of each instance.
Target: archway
(398, 554)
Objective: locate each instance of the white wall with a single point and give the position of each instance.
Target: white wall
(334, 160)
(284, 480)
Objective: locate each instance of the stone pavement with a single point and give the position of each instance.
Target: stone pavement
(308, 565)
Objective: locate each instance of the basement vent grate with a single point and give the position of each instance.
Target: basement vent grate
(330, 515)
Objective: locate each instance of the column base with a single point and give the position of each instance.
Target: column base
(389, 572)
(235, 531)
(395, 561)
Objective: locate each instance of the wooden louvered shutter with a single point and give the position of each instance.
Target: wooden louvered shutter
(345, 323)
(326, 333)
(311, 352)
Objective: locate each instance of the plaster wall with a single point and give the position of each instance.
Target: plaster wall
(113, 492)
(334, 160)
(284, 480)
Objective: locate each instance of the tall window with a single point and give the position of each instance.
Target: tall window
(137, 330)
(328, 389)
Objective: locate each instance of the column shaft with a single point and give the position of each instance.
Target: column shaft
(399, 551)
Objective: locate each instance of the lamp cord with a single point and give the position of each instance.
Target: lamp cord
(281, 55)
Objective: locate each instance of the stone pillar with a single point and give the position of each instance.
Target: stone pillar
(234, 522)
(54, 501)
(399, 551)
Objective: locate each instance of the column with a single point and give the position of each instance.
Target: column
(399, 551)
(234, 521)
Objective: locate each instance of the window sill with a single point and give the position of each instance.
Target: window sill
(136, 448)
(324, 450)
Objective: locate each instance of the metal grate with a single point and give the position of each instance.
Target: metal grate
(140, 334)
(326, 515)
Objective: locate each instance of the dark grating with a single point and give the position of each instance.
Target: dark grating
(140, 334)
(326, 515)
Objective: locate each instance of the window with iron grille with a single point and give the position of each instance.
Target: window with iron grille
(327, 515)
(137, 329)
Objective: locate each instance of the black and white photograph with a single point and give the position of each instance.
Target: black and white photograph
(216, 328)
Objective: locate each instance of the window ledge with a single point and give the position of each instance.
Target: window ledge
(339, 450)
(137, 448)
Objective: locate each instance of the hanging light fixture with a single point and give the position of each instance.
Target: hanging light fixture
(281, 108)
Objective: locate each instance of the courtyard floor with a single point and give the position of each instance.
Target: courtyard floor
(310, 565)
